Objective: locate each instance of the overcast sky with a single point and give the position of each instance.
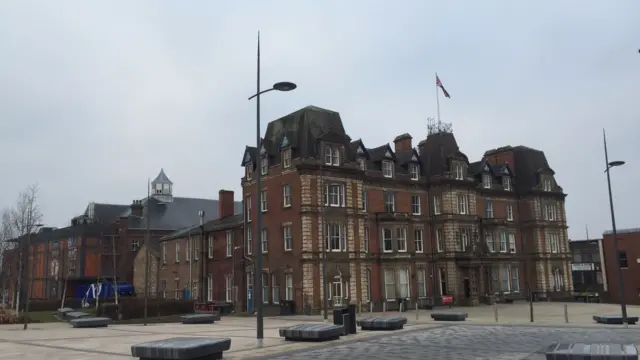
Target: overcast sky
(96, 97)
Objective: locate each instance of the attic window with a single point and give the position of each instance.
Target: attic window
(286, 158)
(387, 168)
(362, 165)
(547, 184)
(506, 183)
(459, 171)
(486, 181)
(331, 156)
(264, 166)
(248, 171)
(414, 171)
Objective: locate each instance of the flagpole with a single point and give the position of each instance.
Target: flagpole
(437, 98)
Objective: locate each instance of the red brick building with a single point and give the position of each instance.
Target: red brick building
(629, 247)
(401, 221)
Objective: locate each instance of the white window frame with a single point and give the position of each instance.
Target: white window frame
(421, 283)
(389, 284)
(264, 165)
(249, 241)
(512, 242)
(228, 288)
(275, 290)
(515, 278)
(249, 206)
(401, 238)
(187, 255)
(362, 163)
(404, 285)
(135, 245)
(416, 208)
(264, 241)
(463, 204)
(558, 279)
(331, 156)
(288, 280)
(459, 171)
(248, 171)
(286, 195)
(265, 288)
(177, 251)
(365, 239)
(506, 183)
(210, 246)
(488, 211)
(389, 201)
(364, 203)
(176, 293)
(387, 168)
(229, 243)
(547, 185)
(490, 241)
(439, 240)
(164, 252)
(209, 287)
(464, 239)
(334, 195)
(287, 238)
(414, 172)
(387, 240)
(335, 237)
(437, 209)
(263, 201)
(509, 212)
(486, 181)
(550, 212)
(418, 240)
(194, 290)
(286, 158)
(554, 242)
(503, 241)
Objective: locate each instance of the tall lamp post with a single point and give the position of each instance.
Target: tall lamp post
(623, 305)
(28, 274)
(281, 86)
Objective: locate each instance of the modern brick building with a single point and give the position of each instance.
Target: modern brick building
(400, 221)
(629, 247)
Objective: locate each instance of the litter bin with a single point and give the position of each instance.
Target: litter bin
(287, 307)
(352, 318)
(403, 304)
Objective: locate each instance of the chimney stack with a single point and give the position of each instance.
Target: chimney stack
(403, 143)
(226, 203)
(137, 208)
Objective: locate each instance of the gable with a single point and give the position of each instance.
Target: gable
(486, 168)
(285, 142)
(262, 150)
(360, 150)
(505, 171)
(247, 158)
(414, 157)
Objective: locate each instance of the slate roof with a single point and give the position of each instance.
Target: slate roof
(162, 178)
(106, 213)
(213, 225)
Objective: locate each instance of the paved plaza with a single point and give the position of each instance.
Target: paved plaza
(512, 337)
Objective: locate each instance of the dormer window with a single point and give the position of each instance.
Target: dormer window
(414, 171)
(506, 183)
(286, 158)
(486, 181)
(248, 171)
(546, 184)
(459, 171)
(264, 165)
(331, 156)
(387, 168)
(362, 165)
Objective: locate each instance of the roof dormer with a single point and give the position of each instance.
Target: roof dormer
(162, 187)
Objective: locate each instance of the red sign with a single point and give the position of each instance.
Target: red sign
(447, 300)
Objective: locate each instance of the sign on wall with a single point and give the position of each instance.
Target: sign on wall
(582, 267)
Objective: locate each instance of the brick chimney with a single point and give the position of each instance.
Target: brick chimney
(136, 208)
(403, 143)
(226, 203)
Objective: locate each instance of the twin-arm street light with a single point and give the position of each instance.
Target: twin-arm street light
(610, 164)
(25, 253)
(281, 86)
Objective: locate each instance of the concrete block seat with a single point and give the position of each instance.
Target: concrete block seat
(199, 318)
(449, 316)
(62, 312)
(216, 314)
(76, 315)
(312, 332)
(90, 322)
(614, 319)
(383, 323)
(182, 349)
(558, 351)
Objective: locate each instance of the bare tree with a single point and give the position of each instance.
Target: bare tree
(25, 217)
(7, 233)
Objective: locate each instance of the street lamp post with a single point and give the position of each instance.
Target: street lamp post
(28, 274)
(623, 305)
(281, 86)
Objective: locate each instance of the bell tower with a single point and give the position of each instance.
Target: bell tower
(162, 188)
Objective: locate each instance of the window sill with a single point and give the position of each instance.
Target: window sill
(263, 211)
(416, 214)
(288, 250)
(287, 206)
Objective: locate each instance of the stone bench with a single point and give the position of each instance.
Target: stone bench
(383, 323)
(62, 312)
(216, 314)
(312, 332)
(181, 349)
(614, 319)
(449, 316)
(199, 318)
(76, 315)
(562, 351)
(90, 322)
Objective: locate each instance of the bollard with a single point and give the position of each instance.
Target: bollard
(495, 311)
(566, 313)
(384, 306)
(401, 306)
(417, 313)
(370, 306)
(360, 307)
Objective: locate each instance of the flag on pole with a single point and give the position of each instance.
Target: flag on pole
(439, 84)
